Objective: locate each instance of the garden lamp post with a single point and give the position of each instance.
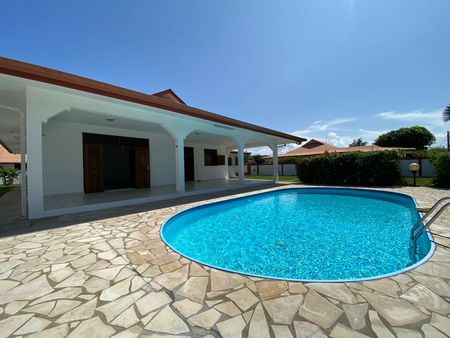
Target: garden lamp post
(414, 168)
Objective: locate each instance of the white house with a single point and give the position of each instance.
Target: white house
(83, 138)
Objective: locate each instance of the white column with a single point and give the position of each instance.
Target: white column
(179, 160)
(35, 183)
(23, 174)
(274, 148)
(241, 162)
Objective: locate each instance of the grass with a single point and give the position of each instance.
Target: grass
(5, 188)
(293, 179)
(420, 181)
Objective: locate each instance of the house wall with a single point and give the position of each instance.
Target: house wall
(63, 156)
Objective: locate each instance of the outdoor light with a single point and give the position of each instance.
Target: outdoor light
(414, 168)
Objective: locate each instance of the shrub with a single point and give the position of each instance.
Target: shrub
(8, 175)
(441, 162)
(380, 168)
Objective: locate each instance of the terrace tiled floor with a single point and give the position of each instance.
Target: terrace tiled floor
(115, 277)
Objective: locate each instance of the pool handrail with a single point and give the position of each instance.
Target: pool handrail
(420, 221)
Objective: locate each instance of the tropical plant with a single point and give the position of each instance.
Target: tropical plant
(413, 137)
(358, 142)
(8, 175)
(446, 114)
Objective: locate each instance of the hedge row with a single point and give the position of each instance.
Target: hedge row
(380, 168)
(441, 162)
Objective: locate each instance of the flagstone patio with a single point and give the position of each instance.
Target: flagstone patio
(106, 276)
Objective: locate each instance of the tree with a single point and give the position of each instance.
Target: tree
(413, 137)
(446, 114)
(358, 142)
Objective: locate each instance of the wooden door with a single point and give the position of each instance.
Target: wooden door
(142, 167)
(189, 166)
(93, 168)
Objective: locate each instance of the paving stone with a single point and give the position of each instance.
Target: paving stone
(297, 288)
(271, 289)
(55, 332)
(385, 286)
(243, 298)
(12, 323)
(61, 294)
(33, 325)
(28, 291)
(307, 330)
(334, 290)
(126, 318)
(422, 296)
(173, 279)
(282, 310)
(187, 307)
(406, 333)
(117, 290)
(194, 289)
(396, 311)
(14, 307)
(43, 308)
(437, 269)
(108, 274)
(356, 315)
(431, 332)
(77, 279)
(83, 311)
(95, 284)
(63, 306)
(90, 326)
(167, 321)
(436, 284)
(342, 331)
(112, 309)
(152, 301)
(281, 331)
(440, 322)
(232, 328)
(258, 324)
(132, 332)
(228, 308)
(205, 319)
(221, 280)
(196, 270)
(319, 310)
(378, 327)
(6, 285)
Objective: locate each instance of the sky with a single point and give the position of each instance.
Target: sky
(334, 70)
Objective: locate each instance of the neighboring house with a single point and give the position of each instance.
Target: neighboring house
(84, 136)
(9, 160)
(315, 147)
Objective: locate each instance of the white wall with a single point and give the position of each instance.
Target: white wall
(63, 155)
(202, 172)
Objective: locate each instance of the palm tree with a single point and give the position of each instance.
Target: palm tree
(446, 114)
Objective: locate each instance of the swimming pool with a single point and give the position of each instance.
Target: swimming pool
(305, 234)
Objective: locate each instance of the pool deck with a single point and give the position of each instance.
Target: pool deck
(110, 274)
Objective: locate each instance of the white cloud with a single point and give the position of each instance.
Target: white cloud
(433, 117)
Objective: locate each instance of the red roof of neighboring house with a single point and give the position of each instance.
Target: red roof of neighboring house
(169, 94)
(315, 147)
(7, 157)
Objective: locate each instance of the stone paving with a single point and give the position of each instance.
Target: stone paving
(114, 277)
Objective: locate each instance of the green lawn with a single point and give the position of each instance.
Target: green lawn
(5, 189)
(420, 181)
(293, 179)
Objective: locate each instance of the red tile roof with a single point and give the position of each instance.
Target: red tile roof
(7, 157)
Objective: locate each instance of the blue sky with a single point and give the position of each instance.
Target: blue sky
(333, 70)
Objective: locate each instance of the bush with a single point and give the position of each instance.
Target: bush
(441, 162)
(380, 168)
(8, 175)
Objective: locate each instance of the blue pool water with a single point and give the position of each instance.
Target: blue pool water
(302, 234)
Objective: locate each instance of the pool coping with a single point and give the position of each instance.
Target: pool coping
(227, 199)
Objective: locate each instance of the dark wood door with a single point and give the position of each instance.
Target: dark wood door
(142, 167)
(189, 164)
(93, 168)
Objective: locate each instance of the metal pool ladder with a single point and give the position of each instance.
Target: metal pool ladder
(427, 224)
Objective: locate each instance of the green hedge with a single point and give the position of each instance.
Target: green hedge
(380, 168)
(441, 162)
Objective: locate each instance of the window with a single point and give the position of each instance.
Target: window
(210, 157)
